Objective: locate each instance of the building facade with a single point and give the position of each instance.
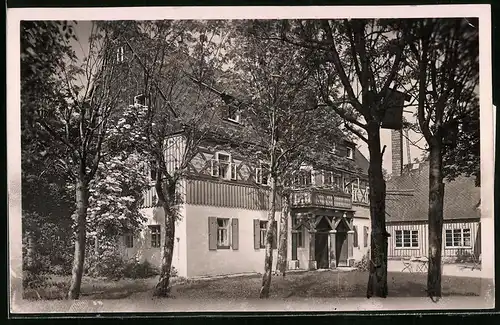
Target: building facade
(224, 214)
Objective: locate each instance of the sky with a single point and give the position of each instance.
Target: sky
(83, 29)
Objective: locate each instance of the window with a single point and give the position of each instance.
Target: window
(263, 226)
(355, 228)
(299, 232)
(406, 238)
(223, 167)
(458, 237)
(262, 174)
(129, 240)
(155, 236)
(152, 171)
(334, 148)
(219, 230)
(328, 178)
(234, 114)
(222, 233)
(350, 153)
(303, 178)
(260, 227)
(120, 54)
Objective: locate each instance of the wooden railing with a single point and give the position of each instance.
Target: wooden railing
(320, 198)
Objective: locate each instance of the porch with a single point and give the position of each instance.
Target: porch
(321, 239)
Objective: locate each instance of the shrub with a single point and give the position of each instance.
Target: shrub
(139, 270)
(364, 264)
(108, 264)
(463, 256)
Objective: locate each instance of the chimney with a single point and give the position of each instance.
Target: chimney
(397, 152)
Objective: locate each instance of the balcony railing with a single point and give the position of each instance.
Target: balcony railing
(320, 198)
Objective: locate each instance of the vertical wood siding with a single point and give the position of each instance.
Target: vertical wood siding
(423, 238)
(149, 198)
(226, 194)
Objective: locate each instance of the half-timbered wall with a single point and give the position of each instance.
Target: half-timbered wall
(423, 238)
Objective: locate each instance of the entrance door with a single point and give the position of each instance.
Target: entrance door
(341, 248)
(321, 250)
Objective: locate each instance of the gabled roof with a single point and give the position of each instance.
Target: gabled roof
(407, 197)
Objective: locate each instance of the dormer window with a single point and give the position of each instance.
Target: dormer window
(223, 167)
(350, 153)
(120, 54)
(140, 100)
(234, 114)
(333, 148)
(262, 174)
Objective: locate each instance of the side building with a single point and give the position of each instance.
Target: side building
(407, 212)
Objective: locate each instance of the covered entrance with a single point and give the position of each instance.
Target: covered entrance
(331, 239)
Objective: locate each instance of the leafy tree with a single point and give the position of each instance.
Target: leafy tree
(173, 115)
(445, 62)
(44, 196)
(368, 54)
(72, 120)
(272, 86)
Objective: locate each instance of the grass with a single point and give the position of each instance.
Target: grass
(303, 285)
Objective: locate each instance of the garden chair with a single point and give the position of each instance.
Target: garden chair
(476, 262)
(407, 265)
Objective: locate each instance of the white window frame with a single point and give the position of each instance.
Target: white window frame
(298, 177)
(262, 233)
(129, 239)
(325, 177)
(461, 243)
(223, 243)
(120, 54)
(156, 243)
(403, 231)
(230, 173)
(237, 116)
(334, 148)
(350, 153)
(259, 179)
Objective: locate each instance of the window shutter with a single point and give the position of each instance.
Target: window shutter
(355, 236)
(275, 237)
(234, 233)
(365, 233)
(233, 171)
(212, 233)
(214, 168)
(256, 233)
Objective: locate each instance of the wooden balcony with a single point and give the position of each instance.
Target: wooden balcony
(320, 198)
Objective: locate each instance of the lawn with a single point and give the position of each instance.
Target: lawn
(295, 285)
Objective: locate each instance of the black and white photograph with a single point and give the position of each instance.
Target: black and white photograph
(225, 159)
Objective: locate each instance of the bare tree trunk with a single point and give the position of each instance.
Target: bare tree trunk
(436, 200)
(170, 210)
(377, 281)
(82, 201)
(283, 243)
(268, 261)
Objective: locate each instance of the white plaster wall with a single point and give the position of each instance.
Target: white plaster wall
(142, 249)
(361, 250)
(202, 261)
